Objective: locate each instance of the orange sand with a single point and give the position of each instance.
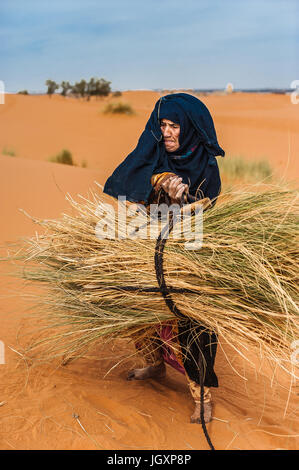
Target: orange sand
(38, 406)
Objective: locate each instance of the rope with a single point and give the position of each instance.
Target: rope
(174, 290)
(165, 291)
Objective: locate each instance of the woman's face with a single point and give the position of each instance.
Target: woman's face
(170, 131)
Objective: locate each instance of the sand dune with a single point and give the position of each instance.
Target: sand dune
(254, 126)
(80, 406)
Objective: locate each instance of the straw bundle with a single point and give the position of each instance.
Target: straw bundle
(244, 278)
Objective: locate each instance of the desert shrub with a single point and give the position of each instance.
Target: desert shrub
(64, 157)
(116, 94)
(238, 168)
(9, 152)
(118, 108)
(23, 92)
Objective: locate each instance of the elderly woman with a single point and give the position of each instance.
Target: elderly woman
(174, 162)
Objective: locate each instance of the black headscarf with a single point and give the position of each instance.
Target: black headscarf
(194, 160)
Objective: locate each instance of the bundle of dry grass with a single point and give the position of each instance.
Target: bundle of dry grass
(244, 279)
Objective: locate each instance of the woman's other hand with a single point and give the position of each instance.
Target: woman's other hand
(175, 188)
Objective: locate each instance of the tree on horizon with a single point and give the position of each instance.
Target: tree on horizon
(102, 87)
(52, 87)
(65, 86)
(80, 88)
(94, 87)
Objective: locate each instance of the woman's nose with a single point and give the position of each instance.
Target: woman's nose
(166, 131)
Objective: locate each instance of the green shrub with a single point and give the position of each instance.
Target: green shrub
(64, 157)
(9, 152)
(118, 108)
(238, 168)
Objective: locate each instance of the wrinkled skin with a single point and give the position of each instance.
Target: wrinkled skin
(195, 418)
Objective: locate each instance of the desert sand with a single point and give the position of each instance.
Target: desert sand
(89, 404)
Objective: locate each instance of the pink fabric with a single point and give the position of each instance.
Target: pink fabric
(168, 355)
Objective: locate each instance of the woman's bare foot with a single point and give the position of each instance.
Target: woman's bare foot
(195, 418)
(156, 372)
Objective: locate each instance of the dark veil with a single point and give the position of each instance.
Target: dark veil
(194, 161)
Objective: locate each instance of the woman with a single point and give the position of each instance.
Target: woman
(174, 162)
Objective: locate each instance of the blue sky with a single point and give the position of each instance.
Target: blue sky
(139, 44)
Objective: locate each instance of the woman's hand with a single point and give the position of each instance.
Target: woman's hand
(175, 188)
